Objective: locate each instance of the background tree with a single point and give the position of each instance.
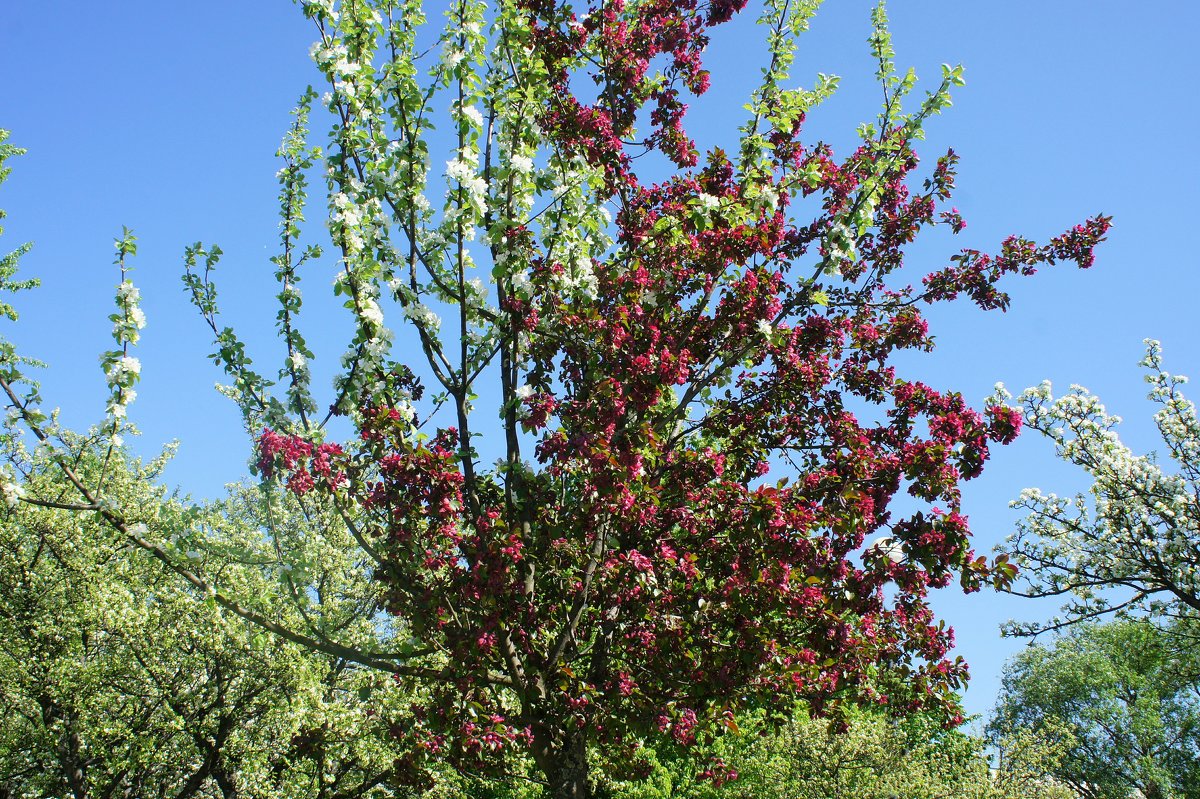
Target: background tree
(1133, 545)
(700, 367)
(118, 680)
(1134, 723)
(872, 756)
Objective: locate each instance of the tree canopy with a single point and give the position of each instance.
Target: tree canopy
(1132, 544)
(1122, 699)
(118, 679)
(687, 363)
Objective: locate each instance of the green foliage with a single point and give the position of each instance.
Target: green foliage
(118, 679)
(1122, 701)
(873, 756)
(8, 262)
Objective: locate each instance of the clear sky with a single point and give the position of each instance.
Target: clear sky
(165, 116)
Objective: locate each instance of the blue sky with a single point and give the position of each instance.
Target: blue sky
(165, 117)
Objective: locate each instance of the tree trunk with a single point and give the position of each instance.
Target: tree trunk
(1152, 790)
(562, 757)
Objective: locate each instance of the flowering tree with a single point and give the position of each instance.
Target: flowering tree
(116, 681)
(699, 426)
(1134, 544)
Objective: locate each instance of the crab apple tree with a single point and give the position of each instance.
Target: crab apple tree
(683, 360)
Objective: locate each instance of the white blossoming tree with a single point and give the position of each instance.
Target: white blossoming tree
(122, 672)
(117, 680)
(1132, 545)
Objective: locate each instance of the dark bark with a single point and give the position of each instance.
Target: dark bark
(69, 747)
(562, 757)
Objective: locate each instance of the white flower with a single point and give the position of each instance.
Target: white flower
(523, 392)
(423, 316)
(297, 360)
(709, 202)
(406, 411)
(460, 170)
(464, 173)
(127, 292)
(345, 211)
(765, 328)
(472, 113)
(138, 317)
(372, 313)
(127, 364)
(454, 57)
(11, 492)
(521, 163)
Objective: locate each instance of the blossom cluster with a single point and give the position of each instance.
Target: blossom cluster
(11, 491)
(304, 463)
(121, 370)
(1134, 535)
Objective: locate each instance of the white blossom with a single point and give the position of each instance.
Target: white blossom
(464, 172)
(10, 491)
(371, 312)
(521, 163)
(406, 411)
(471, 113)
(1138, 527)
(124, 366)
(520, 281)
(345, 211)
(423, 316)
